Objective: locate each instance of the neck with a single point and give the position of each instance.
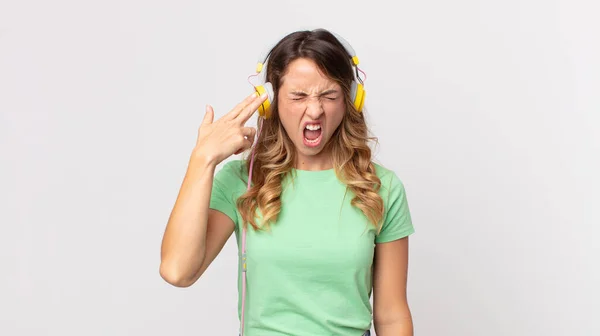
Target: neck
(321, 161)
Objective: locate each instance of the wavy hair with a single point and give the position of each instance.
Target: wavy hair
(349, 145)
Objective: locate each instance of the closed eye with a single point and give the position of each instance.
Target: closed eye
(299, 95)
(328, 98)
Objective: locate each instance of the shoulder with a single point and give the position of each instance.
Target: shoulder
(233, 167)
(390, 181)
(397, 221)
(382, 171)
(232, 173)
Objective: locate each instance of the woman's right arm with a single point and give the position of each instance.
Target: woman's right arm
(195, 234)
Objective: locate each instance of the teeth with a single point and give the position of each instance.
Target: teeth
(313, 127)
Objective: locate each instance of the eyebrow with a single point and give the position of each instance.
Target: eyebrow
(303, 94)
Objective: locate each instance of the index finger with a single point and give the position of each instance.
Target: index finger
(249, 109)
(239, 107)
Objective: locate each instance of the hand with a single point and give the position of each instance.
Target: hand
(227, 136)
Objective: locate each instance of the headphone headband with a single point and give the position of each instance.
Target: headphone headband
(349, 50)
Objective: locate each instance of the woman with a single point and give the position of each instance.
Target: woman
(323, 224)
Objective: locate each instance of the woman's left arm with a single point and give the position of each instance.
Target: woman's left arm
(391, 313)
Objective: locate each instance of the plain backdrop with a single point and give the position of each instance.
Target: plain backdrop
(486, 110)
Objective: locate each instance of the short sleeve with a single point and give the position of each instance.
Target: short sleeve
(226, 185)
(397, 222)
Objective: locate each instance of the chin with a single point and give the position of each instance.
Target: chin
(309, 152)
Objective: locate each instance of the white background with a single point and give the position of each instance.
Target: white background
(487, 111)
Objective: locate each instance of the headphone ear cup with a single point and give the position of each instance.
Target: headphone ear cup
(361, 95)
(357, 93)
(264, 110)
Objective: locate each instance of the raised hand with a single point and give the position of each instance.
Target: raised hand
(228, 135)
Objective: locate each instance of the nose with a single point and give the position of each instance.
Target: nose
(314, 107)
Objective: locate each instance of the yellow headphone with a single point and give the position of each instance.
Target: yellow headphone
(357, 91)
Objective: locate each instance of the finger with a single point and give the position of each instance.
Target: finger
(248, 143)
(248, 131)
(208, 115)
(252, 107)
(250, 140)
(244, 147)
(239, 107)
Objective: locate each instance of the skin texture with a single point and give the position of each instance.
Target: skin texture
(391, 312)
(307, 95)
(195, 234)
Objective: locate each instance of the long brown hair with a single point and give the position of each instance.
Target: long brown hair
(349, 145)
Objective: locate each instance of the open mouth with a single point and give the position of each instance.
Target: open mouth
(312, 134)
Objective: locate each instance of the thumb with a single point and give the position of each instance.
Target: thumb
(208, 115)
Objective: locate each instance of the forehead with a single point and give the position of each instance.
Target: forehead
(305, 74)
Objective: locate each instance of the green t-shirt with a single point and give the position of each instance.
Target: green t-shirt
(311, 273)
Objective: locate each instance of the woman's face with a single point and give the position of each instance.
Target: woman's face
(311, 107)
